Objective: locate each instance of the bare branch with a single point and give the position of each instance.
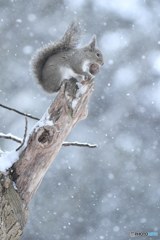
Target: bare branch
(17, 111)
(11, 137)
(78, 144)
(65, 144)
(25, 134)
(19, 140)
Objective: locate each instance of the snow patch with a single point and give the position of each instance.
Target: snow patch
(74, 103)
(81, 90)
(7, 159)
(44, 121)
(14, 185)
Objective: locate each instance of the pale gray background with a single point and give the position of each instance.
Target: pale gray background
(108, 192)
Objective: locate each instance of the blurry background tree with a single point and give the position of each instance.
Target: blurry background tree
(107, 192)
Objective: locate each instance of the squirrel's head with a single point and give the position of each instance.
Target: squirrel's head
(93, 53)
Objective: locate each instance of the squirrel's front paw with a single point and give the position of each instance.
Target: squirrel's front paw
(88, 76)
(84, 77)
(80, 77)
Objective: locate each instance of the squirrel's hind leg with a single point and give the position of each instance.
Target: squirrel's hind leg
(51, 78)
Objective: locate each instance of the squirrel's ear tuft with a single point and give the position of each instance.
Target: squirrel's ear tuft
(93, 43)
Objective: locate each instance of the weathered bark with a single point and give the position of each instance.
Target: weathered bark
(39, 151)
(12, 211)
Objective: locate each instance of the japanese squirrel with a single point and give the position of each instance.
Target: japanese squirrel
(62, 60)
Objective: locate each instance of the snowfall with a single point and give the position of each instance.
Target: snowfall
(90, 194)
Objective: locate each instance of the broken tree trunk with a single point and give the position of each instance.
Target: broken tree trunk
(38, 153)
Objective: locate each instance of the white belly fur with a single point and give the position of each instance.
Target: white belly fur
(68, 73)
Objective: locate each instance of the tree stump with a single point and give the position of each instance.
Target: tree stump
(35, 157)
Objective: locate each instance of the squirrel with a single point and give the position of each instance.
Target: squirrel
(63, 60)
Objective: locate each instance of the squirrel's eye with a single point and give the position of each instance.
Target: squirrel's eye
(98, 54)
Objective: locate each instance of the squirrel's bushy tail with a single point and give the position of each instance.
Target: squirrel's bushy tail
(70, 40)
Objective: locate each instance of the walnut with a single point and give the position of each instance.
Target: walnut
(94, 68)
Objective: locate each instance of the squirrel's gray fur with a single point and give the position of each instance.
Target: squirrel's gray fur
(61, 60)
